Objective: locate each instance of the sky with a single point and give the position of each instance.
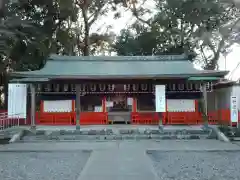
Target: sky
(232, 63)
(232, 59)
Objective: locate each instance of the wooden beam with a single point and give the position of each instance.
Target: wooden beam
(33, 105)
(78, 106)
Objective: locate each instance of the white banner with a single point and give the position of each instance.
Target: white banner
(98, 109)
(160, 98)
(17, 100)
(129, 101)
(234, 109)
(109, 104)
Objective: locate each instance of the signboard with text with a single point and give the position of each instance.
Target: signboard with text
(17, 100)
(234, 109)
(160, 98)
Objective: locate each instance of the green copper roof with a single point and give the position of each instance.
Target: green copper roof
(26, 80)
(100, 67)
(204, 78)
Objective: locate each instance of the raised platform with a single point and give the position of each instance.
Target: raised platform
(115, 132)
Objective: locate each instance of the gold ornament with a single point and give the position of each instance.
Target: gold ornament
(111, 87)
(144, 87)
(102, 87)
(189, 86)
(93, 87)
(65, 87)
(73, 87)
(181, 87)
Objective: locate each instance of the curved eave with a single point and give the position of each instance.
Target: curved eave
(29, 80)
(149, 76)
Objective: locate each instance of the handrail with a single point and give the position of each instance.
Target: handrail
(8, 121)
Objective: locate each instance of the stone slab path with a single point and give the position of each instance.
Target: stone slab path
(120, 160)
(118, 164)
(144, 145)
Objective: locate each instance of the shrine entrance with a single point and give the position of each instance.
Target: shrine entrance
(95, 90)
(119, 106)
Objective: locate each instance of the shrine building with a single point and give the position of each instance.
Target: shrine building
(115, 89)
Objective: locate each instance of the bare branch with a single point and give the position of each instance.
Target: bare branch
(135, 12)
(203, 55)
(94, 16)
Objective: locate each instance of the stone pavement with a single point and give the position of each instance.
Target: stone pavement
(121, 159)
(119, 164)
(142, 145)
(128, 161)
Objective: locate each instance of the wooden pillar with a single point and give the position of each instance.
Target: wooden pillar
(33, 105)
(204, 91)
(216, 105)
(78, 106)
(104, 99)
(134, 108)
(205, 105)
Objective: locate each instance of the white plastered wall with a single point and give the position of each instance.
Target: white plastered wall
(180, 105)
(57, 106)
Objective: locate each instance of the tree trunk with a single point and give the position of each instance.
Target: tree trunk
(213, 63)
(86, 41)
(5, 90)
(86, 33)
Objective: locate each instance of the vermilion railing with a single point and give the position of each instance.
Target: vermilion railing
(8, 121)
(151, 118)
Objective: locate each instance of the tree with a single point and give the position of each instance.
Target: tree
(128, 44)
(52, 36)
(149, 43)
(179, 27)
(12, 29)
(31, 30)
(91, 11)
(217, 40)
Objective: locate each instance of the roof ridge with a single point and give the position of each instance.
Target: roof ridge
(118, 58)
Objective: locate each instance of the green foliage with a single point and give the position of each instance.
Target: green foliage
(150, 42)
(32, 29)
(179, 27)
(91, 11)
(50, 35)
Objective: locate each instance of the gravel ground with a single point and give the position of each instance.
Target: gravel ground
(220, 165)
(42, 165)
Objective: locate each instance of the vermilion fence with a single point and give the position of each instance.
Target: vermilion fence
(8, 121)
(144, 118)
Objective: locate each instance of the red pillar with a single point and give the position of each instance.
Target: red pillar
(104, 103)
(105, 120)
(134, 105)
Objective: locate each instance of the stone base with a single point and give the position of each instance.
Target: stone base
(112, 133)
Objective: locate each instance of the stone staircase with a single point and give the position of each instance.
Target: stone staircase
(116, 134)
(7, 134)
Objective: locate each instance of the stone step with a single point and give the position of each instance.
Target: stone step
(236, 138)
(115, 134)
(120, 132)
(111, 137)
